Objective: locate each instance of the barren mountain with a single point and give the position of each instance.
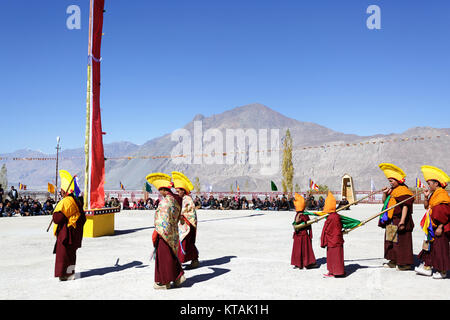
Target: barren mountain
(319, 153)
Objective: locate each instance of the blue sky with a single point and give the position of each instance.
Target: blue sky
(165, 61)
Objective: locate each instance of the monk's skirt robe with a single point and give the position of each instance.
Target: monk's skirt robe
(401, 252)
(68, 241)
(188, 246)
(167, 266)
(333, 240)
(302, 251)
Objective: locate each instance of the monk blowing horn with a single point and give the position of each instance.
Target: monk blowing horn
(310, 222)
(67, 190)
(380, 213)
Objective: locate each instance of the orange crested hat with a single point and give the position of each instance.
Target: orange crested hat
(299, 203)
(330, 204)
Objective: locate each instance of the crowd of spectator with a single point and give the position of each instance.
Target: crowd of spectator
(140, 204)
(16, 205)
(281, 203)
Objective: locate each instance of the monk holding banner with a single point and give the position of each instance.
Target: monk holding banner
(436, 225)
(187, 251)
(302, 251)
(69, 219)
(165, 236)
(398, 222)
(332, 239)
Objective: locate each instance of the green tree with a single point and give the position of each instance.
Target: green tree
(323, 188)
(287, 168)
(197, 185)
(297, 188)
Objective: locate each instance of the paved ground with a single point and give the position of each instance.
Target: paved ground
(243, 254)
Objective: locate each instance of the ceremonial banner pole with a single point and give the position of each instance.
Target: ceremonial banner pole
(99, 220)
(380, 213)
(310, 222)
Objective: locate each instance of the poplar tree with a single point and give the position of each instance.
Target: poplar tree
(287, 169)
(197, 185)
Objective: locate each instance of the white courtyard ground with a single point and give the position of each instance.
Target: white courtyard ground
(243, 255)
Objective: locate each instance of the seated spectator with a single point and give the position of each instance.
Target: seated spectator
(25, 209)
(36, 209)
(234, 204)
(47, 208)
(343, 203)
(258, 204)
(149, 204)
(197, 203)
(134, 206)
(311, 203)
(225, 204)
(266, 204)
(284, 205)
(126, 204)
(244, 204)
(9, 211)
(2, 209)
(320, 203)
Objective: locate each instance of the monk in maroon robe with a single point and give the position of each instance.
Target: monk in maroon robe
(399, 252)
(332, 239)
(70, 218)
(302, 251)
(436, 254)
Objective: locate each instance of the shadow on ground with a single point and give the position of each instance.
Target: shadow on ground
(106, 270)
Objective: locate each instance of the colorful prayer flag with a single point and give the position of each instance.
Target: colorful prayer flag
(419, 184)
(313, 185)
(121, 186)
(427, 226)
(76, 189)
(51, 188)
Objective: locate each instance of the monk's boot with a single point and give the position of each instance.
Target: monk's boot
(390, 264)
(179, 281)
(440, 275)
(67, 277)
(405, 267)
(161, 286)
(194, 264)
(424, 270)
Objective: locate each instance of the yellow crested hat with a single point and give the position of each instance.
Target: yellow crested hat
(392, 171)
(66, 178)
(433, 173)
(159, 180)
(299, 203)
(330, 203)
(181, 181)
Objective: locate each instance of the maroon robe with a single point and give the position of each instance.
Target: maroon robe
(167, 266)
(440, 247)
(68, 240)
(188, 244)
(333, 240)
(401, 252)
(302, 251)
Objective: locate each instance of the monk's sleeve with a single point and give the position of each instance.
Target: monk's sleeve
(441, 214)
(324, 236)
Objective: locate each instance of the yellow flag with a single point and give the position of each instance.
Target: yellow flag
(51, 188)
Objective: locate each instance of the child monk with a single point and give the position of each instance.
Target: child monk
(302, 251)
(332, 239)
